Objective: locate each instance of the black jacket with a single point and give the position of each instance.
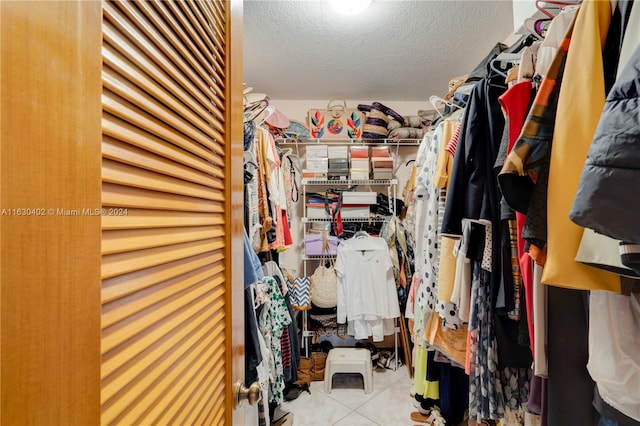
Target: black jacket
(608, 197)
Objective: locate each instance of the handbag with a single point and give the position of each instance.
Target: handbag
(335, 122)
(300, 297)
(324, 282)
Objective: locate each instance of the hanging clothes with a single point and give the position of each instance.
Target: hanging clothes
(367, 297)
(274, 317)
(577, 118)
(426, 233)
(603, 201)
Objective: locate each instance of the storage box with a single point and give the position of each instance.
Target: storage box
(359, 151)
(380, 151)
(357, 174)
(316, 151)
(381, 162)
(359, 197)
(360, 163)
(313, 244)
(312, 174)
(382, 174)
(339, 151)
(338, 164)
(318, 164)
(355, 211)
(338, 177)
(317, 211)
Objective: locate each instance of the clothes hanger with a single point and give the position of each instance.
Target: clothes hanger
(264, 115)
(434, 100)
(361, 234)
(536, 26)
(543, 6)
(254, 110)
(507, 58)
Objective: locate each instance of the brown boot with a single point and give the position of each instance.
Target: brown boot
(304, 372)
(319, 360)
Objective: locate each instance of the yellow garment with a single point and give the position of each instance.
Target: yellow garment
(446, 269)
(421, 385)
(580, 104)
(444, 164)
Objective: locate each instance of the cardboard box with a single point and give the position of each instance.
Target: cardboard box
(355, 211)
(311, 174)
(317, 164)
(338, 151)
(317, 211)
(316, 151)
(380, 151)
(359, 151)
(357, 174)
(381, 162)
(360, 163)
(359, 197)
(382, 174)
(338, 177)
(338, 164)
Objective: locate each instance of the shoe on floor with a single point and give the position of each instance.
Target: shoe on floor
(419, 417)
(418, 406)
(432, 419)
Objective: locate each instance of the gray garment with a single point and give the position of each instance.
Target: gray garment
(605, 201)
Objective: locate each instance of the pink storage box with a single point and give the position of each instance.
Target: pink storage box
(313, 244)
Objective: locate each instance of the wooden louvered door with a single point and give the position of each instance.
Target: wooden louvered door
(169, 199)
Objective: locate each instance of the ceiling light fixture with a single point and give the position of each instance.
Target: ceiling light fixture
(349, 7)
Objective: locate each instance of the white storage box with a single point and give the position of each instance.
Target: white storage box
(355, 211)
(317, 211)
(349, 197)
(360, 163)
(316, 151)
(339, 151)
(382, 174)
(318, 164)
(357, 174)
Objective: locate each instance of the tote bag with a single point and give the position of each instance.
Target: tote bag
(336, 121)
(324, 281)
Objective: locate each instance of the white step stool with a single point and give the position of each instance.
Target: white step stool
(349, 360)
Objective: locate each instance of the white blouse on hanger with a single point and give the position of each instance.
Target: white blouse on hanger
(367, 296)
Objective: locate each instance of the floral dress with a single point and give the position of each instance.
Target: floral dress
(274, 317)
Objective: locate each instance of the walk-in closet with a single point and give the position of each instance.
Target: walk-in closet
(440, 220)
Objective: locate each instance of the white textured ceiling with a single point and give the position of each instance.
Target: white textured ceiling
(396, 50)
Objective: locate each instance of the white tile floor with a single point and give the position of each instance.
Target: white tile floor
(388, 405)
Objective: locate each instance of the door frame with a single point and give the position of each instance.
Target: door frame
(235, 213)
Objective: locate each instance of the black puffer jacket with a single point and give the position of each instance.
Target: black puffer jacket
(608, 197)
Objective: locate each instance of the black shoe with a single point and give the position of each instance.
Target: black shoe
(375, 353)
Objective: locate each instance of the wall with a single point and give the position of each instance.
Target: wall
(522, 9)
